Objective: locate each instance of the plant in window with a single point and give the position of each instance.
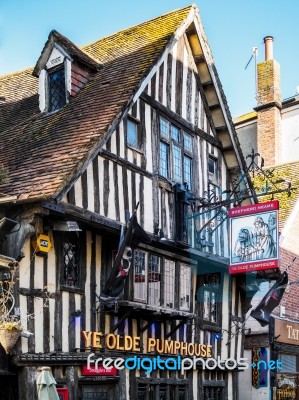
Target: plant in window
(10, 325)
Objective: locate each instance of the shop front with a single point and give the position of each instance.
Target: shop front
(285, 348)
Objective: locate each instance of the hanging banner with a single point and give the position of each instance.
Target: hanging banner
(254, 237)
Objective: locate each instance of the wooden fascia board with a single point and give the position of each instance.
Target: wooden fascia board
(209, 64)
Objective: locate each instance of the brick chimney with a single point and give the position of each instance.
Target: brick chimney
(269, 107)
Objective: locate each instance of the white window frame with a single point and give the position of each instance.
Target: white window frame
(132, 120)
(164, 281)
(43, 79)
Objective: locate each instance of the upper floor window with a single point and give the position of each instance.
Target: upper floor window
(212, 166)
(133, 134)
(56, 89)
(69, 249)
(175, 153)
(155, 281)
(71, 259)
(209, 295)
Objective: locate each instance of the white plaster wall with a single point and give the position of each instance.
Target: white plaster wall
(246, 391)
(290, 134)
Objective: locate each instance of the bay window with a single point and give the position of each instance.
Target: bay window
(156, 282)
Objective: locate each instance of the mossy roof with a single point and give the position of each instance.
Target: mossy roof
(39, 152)
(290, 173)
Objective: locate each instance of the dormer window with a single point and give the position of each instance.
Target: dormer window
(63, 70)
(56, 90)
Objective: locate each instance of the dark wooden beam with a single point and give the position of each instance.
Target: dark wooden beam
(199, 59)
(207, 84)
(150, 323)
(180, 121)
(113, 157)
(213, 107)
(174, 329)
(120, 321)
(228, 148)
(81, 215)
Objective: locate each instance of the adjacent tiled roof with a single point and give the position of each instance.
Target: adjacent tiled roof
(39, 152)
(245, 117)
(21, 99)
(290, 173)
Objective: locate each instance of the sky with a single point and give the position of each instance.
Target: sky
(233, 29)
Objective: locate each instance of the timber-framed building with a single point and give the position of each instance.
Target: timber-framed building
(88, 133)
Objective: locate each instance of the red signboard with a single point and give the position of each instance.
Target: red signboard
(254, 237)
(100, 370)
(63, 393)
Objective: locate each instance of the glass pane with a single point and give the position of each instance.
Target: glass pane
(206, 305)
(164, 127)
(212, 165)
(57, 94)
(132, 133)
(213, 393)
(182, 393)
(288, 362)
(141, 394)
(185, 286)
(162, 392)
(177, 170)
(175, 133)
(139, 276)
(169, 283)
(213, 307)
(154, 280)
(188, 171)
(164, 159)
(187, 142)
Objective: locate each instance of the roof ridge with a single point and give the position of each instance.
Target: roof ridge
(193, 5)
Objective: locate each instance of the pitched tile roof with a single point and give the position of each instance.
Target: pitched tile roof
(39, 152)
(290, 173)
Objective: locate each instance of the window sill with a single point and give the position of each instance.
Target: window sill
(135, 149)
(65, 288)
(156, 309)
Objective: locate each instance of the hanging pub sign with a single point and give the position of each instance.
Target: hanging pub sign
(254, 237)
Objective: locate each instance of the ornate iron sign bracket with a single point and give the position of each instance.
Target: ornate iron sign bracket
(206, 214)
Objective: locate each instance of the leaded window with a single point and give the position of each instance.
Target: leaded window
(169, 284)
(156, 283)
(175, 153)
(161, 391)
(185, 286)
(56, 90)
(213, 393)
(209, 296)
(71, 260)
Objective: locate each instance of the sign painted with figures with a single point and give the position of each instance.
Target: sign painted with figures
(254, 237)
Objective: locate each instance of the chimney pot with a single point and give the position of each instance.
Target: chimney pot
(268, 40)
